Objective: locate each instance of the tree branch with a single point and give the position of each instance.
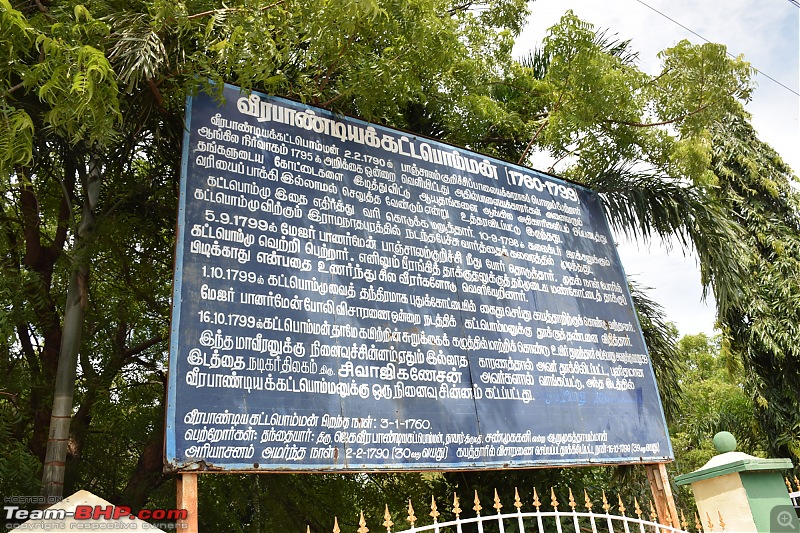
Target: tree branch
(89, 372)
(332, 100)
(43, 9)
(28, 350)
(65, 212)
(142, 346)
(559, 160)
(157, 93)
(231, 10)
(663, 123)
(29, 205)
(530, 144)
(13, 397)
(16, 87)
(463, 7)
(329, 71)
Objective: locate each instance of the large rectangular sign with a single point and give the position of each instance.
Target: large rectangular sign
(351, 297)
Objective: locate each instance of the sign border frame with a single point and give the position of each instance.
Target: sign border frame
(170, 430)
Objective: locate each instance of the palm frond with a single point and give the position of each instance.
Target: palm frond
(538, 61)
(137, 51)
(642, 206)
(661, 340)
(616, 47)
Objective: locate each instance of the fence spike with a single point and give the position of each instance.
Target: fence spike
(434, 512)
(678, 521)
(797, 482)
(387, 520)
(308, 528)
(411, 518)
(788, 484)
(362, 524)
(721, 521)
(673, 522)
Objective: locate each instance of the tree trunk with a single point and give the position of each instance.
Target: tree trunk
(77, 300)
(41, 260)
(148, 475)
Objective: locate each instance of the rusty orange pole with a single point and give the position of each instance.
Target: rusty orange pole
(187, 499)
(662, 494)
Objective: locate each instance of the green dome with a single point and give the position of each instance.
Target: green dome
(724, 442)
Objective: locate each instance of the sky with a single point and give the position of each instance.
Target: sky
(766, 33)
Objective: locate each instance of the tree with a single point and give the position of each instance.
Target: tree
(91, 105)
(761, 328)
(714, 399)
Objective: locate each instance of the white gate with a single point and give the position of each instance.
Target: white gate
(580, 518)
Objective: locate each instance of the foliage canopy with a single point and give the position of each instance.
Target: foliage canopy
(91, 121)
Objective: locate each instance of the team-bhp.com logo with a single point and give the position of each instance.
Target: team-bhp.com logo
(93, 512)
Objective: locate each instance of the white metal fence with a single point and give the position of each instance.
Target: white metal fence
(794, 493)
(574, 517)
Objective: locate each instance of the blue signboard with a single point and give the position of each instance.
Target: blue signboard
(351, 297)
